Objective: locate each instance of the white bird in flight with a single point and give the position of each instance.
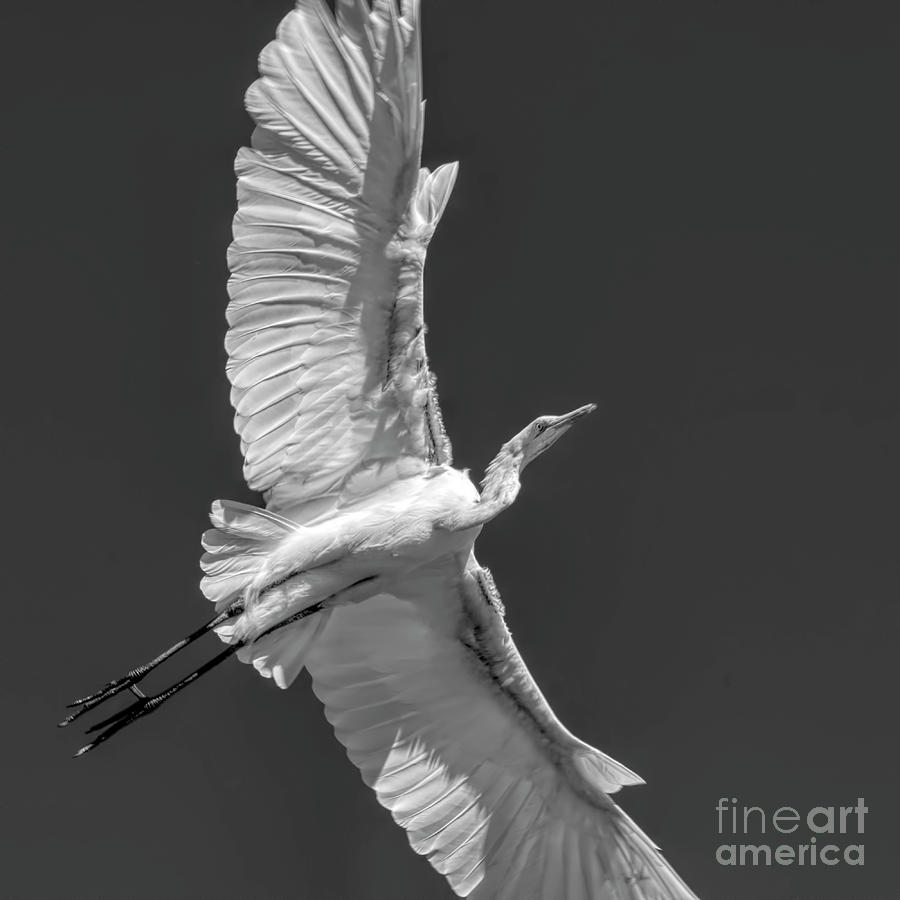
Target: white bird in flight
(361, 566)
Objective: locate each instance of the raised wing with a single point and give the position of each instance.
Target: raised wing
(326, 352)
(427, 692)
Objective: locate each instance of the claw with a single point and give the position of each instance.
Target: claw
(131, 679)
(117, 683)
(110, 690)
(117, 722)
(146, 705)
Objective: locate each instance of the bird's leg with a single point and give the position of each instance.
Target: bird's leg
(146, 705)
(355, 593)
(131, 679)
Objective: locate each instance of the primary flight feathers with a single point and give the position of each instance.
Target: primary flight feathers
(326, 341)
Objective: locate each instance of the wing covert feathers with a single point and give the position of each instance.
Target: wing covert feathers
(487, 791)
(326, 340)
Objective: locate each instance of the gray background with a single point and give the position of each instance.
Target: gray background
(686, 212)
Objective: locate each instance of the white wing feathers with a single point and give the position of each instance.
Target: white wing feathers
(488, 788)
(326, 343)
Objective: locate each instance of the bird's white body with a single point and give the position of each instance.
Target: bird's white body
(385, 524)
(395, 523)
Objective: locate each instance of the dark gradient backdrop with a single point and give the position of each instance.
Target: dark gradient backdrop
(686, 212)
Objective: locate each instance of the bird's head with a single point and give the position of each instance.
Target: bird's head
(544, 432)
(501, 480)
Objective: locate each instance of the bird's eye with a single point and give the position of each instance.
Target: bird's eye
(540, 427)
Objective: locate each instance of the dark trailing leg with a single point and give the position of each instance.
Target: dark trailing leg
(146, 705)
(130, 679)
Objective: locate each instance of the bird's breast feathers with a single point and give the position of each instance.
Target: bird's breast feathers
(401, 517)
(392, 524)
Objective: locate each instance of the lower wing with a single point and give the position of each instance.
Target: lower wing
(431, 700)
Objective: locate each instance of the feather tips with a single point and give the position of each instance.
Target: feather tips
(237, 546)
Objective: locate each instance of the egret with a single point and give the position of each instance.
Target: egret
(360, 568)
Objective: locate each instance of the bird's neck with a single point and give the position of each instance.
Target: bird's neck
(501, 483)
(498, 490)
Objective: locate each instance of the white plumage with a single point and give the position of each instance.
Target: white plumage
(362, 567)
(332, 224)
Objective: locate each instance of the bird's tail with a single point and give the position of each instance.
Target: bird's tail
(242, 538)
(237, 547)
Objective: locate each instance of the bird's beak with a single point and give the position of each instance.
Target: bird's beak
(554, 430)
(560, 425)
(566, 421)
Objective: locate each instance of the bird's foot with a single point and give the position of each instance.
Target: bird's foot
(146, 705)
(130, 680)
(356, 593)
